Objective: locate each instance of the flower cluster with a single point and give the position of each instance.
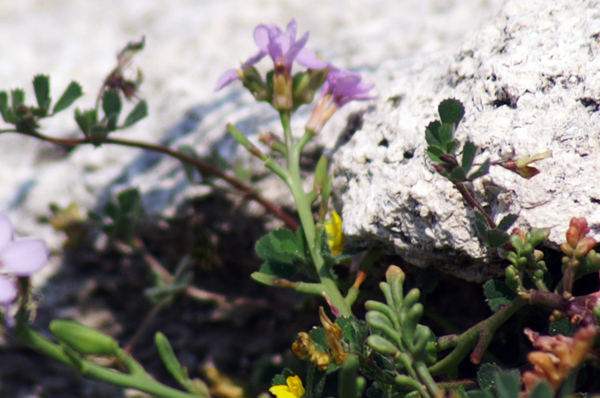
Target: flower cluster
(557, 357)
(20, 257)
(286, 91)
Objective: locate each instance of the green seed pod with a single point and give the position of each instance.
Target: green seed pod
(381, 345)
(83, 339)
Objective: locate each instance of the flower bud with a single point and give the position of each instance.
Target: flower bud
(584, 246)
(282, 92)
(578, 228)
(253, 81)
(83, 339)
(306, 85)
(304, 346)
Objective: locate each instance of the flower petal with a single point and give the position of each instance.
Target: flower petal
(8, 290)
(23, 257)
(254, 59)
(226, 78)
(281, 392)
(310, 60)
(290, 54)
(6, 230)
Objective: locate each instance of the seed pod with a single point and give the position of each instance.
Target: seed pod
(83, 339)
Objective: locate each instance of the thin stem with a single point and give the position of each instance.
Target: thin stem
(198, 163)
(304, 210)
(468, 339)
(473, 203)
(87, 369)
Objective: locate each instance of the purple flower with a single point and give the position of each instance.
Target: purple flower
(282, 47)
(18, 257)
(344, 86)
(339, 88)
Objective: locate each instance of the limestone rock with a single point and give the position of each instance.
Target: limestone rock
(529, 78)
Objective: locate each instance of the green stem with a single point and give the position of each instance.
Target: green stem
(306, 217)
(88, 369)
(470, 338)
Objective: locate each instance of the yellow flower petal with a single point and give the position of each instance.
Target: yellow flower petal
(335, 236)
(293, 389)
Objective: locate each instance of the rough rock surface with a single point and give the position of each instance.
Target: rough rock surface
(188, 45)
(529, 78)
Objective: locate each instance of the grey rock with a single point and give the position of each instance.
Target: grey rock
(529, 78)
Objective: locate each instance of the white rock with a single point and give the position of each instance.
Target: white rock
(188, 45)
(529, 78)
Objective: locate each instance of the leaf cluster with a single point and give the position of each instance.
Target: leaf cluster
(442, 145)
(26, 118)
(121, 217)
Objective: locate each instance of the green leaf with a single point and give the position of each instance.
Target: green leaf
(86, 119)
(18, 98)
(112, 210)
(167, 355)
(280, 379)
(318, 336)
(191, 172)
(129, 200)
(280, 246)
(542, 390)
(446, 132)
(497, 294)
(435, 152)
(69, 96)
(280, 270)
(139, 112)
(432, 134)
(451, 111)
(486, 375)
(355, 332)
(481, 171)
(508, 384)
(4, 105)
(41, 86)
(111, 105)
(451, 147)
(457, 174)
(497, 238)
(468, 155)
(507, 221)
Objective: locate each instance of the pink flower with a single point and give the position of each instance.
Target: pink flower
(20, 257)
(340, 88)
(282, 47)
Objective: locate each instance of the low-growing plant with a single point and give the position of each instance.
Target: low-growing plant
(393, 352)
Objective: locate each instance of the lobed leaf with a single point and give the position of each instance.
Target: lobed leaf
(481, 171)
(41, 87)
(278, 269)
(451, 111)
(497, 294)
(86, 120)
(280, 246)
(468, 155)
(70, 95)
(497, 238)
(432, 133)
(111, 105)
(507, 221)
(139, 112)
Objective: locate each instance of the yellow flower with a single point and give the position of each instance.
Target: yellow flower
(293, 389)
(335, 236)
